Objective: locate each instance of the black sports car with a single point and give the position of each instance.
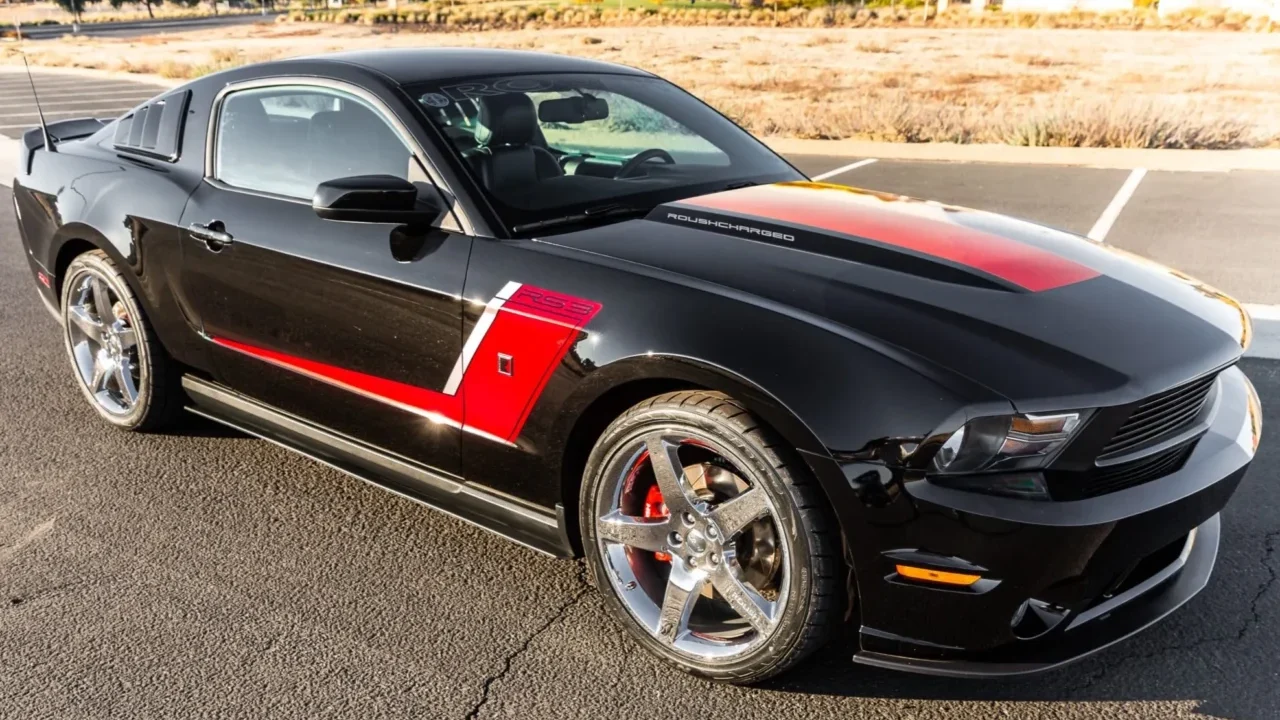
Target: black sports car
(568, 302)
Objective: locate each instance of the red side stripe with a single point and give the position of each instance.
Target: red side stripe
(925, 228)
(448, 408)
(536, 327)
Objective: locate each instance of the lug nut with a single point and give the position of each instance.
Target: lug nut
(715, 558)
(711, 531)
(674, 540)
(688, 518)
(693, 561)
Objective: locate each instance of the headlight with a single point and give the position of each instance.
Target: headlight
(1004, 442)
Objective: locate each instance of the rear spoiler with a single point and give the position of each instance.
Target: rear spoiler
(60, 131)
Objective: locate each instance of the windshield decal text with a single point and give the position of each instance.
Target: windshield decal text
(465, 91)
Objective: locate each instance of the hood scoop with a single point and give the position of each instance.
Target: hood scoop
(921, 238)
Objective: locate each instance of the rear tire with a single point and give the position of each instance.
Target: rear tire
(728, 567)
(120, 366)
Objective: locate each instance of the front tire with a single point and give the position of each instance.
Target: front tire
(709, 539)
(120, 366)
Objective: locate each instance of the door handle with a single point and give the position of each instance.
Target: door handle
(214, 235)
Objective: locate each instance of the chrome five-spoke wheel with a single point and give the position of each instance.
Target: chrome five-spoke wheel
(708, 538)
(694, 548)
(121, 368)
(104, 344)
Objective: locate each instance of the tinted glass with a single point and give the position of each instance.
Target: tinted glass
(545, 146)
(288, 140)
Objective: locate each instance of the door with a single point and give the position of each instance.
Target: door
(355, 327)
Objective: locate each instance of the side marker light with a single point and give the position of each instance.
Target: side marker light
(937, 576)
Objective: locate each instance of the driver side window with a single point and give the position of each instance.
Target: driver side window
(287, 140)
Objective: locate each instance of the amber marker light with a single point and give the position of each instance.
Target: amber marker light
(937, 576)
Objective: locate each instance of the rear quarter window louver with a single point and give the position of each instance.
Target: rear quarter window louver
(155, 129)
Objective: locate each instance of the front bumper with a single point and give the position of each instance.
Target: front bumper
(1102, 626)
(1061, 580)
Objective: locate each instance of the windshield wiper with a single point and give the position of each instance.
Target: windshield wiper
(603, 212)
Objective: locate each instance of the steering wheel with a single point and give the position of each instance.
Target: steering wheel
(630, 167)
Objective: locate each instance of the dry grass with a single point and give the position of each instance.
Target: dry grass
(874, 47)
(1028, 84)
(1042, 87)
(969, 78)
(820, 39)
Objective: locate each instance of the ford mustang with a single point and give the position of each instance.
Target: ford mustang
(568, 302)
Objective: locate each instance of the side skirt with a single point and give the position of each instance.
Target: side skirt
(527, 525)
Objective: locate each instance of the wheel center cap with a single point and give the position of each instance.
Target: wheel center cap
(697, 542)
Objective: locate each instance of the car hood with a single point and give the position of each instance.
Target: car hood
(1043, 317)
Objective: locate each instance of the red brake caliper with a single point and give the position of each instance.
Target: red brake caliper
(654, 507)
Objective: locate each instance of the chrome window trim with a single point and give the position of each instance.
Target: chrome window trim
(388, 116)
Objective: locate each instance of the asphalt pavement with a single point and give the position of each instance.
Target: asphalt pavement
(207, 574)
(140, 28)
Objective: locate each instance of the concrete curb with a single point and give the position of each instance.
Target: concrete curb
(1265, 159)
(1117, 158)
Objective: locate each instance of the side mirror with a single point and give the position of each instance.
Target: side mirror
(374, 199)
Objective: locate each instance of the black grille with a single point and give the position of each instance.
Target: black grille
(1101, 481)
(1161, 415)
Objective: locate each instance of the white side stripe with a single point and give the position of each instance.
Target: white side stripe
(477, 336)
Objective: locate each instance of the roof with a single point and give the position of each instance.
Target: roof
(411, 65)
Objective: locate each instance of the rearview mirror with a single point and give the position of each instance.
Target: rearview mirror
(573, 110)
(374, 199)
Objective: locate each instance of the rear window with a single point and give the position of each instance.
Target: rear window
(155, 129)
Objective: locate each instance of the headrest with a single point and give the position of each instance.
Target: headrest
(507, 119)
(245, 107)
(351, 118)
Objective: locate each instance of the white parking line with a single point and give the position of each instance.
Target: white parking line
(53, 106)
(87, 112)
(18, 97)
(844, 169)
(1108, 217)
(42, 84)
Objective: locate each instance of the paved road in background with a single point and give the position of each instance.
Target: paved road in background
(145, 27)
(212, 575)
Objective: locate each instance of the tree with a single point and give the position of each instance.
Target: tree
(75, 7)
(116, 4)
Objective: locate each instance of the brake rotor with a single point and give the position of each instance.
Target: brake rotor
(758, 554)
(120, 312)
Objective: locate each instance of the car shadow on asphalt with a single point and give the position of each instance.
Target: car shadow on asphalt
(194, 426)
(1162, 665)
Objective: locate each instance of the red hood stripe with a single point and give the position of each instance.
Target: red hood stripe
(923, 227)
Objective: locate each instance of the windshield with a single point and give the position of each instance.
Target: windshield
(545, 147)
